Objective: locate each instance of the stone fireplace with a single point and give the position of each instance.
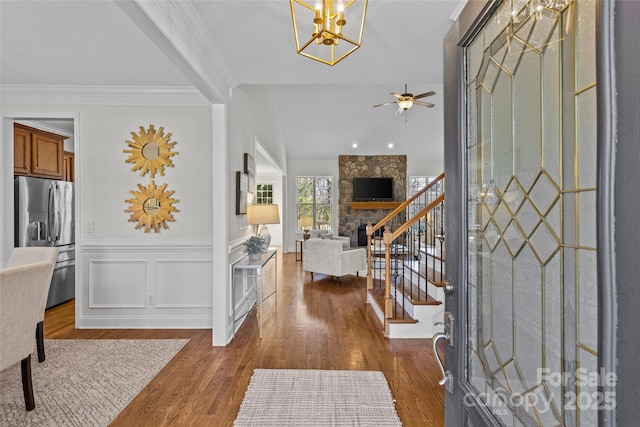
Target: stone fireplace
(351, 219)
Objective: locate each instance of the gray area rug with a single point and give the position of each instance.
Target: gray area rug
(299, 397)
(83, 382)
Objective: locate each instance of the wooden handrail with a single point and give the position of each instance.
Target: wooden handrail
(404, 205)
(396, 233)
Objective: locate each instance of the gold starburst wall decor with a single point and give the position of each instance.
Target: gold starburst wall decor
(151, 207)
(150, 151)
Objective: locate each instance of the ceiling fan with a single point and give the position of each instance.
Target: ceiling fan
(406, 100)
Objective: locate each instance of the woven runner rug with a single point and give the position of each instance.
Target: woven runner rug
(298, 397)
(83, 382)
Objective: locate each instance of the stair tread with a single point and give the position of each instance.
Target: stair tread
(423, 298)
(429, 274)
(416, 295)
(400, 317)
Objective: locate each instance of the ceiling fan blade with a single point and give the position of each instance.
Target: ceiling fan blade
(424, 104)
(422, 95)
(397, 95)
(386, 103)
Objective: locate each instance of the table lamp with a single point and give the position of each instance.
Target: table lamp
(306, 222)
(261, 215)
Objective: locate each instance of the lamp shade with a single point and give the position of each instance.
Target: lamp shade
(263, 214)
(306, 222)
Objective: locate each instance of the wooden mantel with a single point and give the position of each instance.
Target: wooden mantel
(374, 205)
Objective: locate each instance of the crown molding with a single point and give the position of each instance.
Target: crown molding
(101, 95)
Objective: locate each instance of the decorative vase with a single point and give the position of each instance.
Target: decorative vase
(264, 233)
(255, 256)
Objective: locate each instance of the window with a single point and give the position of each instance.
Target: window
(417, 183)
(314, 201)
(264, 194)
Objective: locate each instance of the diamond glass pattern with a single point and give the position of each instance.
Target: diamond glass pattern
(526, 275)
(544, 193)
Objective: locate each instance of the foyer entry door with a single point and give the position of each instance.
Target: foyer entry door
(524, 352)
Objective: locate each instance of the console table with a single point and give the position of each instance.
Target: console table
(245, 268)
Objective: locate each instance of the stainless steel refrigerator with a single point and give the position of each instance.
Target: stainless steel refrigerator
(44, 216)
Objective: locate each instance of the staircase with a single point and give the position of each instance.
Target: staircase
(406, 266)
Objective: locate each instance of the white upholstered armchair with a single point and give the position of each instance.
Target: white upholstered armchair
(328, 256)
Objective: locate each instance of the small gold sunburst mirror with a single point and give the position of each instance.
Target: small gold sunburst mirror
(152, 207)
(150, 151)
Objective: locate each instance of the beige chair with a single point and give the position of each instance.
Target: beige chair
(21, 290)
(23, 256)
(327, 256)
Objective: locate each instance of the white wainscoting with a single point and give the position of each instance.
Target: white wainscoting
(174, 287)
(117, 283)
(163, 284)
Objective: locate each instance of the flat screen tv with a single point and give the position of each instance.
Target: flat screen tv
(372, 189)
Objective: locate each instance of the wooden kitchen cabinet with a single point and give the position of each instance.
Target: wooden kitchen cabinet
(21, 151)
(37, 153)
(68, 169)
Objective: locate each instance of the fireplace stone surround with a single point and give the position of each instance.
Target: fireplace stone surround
(350, 219)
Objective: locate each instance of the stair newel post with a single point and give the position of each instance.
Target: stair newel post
(369, 257)
(388, 301)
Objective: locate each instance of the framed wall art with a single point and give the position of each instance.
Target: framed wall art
(250, 170)
(242, 186)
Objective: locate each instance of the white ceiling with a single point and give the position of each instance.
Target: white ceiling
(324, 110)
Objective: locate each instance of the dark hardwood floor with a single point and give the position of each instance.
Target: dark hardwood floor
(307, 325)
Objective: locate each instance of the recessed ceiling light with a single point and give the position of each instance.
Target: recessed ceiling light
(354, 145)
(390, 145)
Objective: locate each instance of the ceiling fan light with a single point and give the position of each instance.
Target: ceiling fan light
(405, 104)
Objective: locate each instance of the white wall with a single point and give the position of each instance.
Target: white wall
(252, 113)
(124, 277)
(127, 269)
(425, 166)
(107, 179)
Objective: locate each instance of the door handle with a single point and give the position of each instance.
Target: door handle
(437, 337)
(447, 376)
(56, 207)
(50, 213)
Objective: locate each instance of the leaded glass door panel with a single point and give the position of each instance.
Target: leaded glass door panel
(529, 147)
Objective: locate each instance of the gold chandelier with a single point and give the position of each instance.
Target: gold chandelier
(331, 27)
